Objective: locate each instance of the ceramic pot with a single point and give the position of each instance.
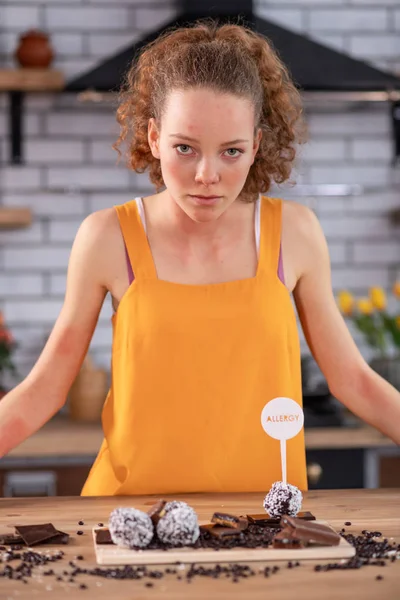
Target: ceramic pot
(34, 50)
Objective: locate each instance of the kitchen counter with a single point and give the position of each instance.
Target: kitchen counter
(375, 510)
(62, 437)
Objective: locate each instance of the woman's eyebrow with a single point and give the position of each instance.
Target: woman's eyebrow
(190, 139)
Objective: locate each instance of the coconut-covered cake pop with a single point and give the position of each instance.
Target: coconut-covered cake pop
(130, 528)
(283, 499)
(178, 525)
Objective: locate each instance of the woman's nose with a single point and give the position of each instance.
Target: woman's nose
(206, 173)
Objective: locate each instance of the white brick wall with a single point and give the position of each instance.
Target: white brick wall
(71, 168)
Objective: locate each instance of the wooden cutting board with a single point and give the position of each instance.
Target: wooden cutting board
(107, 554)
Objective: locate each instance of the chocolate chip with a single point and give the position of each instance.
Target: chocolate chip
(83, 586)
(379, 577)
(149, 584)
(348, 523)
(79, 533)
(81, 523)
(100, 524)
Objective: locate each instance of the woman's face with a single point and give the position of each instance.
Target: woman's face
(206, 147)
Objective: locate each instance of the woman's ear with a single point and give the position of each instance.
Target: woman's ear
(153, 138)
(256, 144)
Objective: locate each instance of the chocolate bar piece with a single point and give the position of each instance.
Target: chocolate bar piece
(306, 515)
(37, 534)
(103, 536)
(267, 521)
(309, 532)
(60, 538)
(230, 521)
(9, 540)
(264, 520)
(285, 539)
(157, 511)
(220, 531)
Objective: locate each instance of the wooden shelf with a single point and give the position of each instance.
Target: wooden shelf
(31, 80)
(15, 218)
(16, 83)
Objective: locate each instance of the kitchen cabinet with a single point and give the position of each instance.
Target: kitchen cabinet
(46, 480)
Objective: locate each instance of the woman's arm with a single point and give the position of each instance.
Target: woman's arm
(44, 391)
(349, 377)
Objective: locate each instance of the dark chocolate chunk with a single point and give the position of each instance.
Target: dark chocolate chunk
(103, 536)
(286, 539)
(156, 511)
(227, 520)
(36, 534)
(306, 515)
(267, 521)
(219, 531)
(264, 520)
(60, 538)
(310, 533)
(9, 539)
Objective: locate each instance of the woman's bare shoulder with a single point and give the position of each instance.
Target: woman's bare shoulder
(302, 236)
(100, 240)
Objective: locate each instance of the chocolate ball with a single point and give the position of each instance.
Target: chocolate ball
(179, 525)
(283, 499)
(130, 528)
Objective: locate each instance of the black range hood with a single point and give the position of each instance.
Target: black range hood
(313, 66)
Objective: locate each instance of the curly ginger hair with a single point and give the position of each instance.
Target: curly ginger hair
(225, 58)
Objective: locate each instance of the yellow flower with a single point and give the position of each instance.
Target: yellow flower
(396, 289)
(365, 306)
(378, 298)
(346, 302)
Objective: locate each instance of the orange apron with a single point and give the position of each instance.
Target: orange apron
(192, 368)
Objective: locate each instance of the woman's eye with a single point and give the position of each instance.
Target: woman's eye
(235, 151)
(183, 148)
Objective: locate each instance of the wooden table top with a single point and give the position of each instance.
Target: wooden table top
(375, 510)
(65, 438)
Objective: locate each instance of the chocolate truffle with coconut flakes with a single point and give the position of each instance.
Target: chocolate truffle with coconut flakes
(179, 525)
(130, 528)
(283, 499)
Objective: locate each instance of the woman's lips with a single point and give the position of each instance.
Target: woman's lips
(205, 199)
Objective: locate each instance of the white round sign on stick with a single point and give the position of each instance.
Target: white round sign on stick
(282, 419)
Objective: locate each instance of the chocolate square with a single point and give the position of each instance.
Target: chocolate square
(157, 511)
(220, 531)
(286, 539)
(60, 538)
(306, 515)
(103, 536)
(36, 534)
(267, 521)
(8, 540)
(264, 520)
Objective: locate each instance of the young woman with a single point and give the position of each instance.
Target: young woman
(201, 275)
